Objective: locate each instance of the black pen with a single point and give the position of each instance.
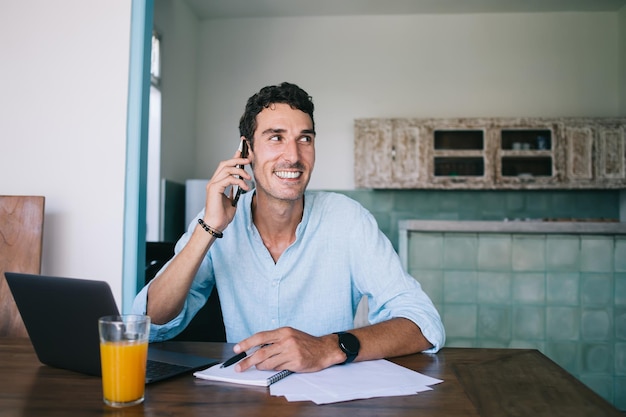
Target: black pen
(240, 356)
(234, 359)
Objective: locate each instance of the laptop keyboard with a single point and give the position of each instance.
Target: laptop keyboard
(156, 369)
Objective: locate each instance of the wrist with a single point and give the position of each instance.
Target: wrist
(334, 355)
(211, 230)
(216, 222)
(349, 346)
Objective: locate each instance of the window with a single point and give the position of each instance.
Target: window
(154, 232)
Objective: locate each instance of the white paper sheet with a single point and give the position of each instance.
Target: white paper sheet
(359, 380)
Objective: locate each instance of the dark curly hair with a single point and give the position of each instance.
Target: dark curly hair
(286, 93)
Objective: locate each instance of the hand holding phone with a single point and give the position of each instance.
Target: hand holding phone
(243, 149)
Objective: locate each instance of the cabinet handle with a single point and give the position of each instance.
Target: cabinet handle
(393, 153)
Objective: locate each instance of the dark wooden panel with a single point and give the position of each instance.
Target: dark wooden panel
(21, 233)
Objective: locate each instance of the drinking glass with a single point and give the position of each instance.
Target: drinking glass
(123, 355)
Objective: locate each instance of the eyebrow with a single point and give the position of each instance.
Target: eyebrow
(278, 130)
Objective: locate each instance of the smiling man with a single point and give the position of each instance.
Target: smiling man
(290, 265)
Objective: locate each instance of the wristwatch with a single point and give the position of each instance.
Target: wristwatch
(349, 344)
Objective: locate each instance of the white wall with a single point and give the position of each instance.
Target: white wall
(622, 90)
(622, 61)
(540, 64)
(63, 103)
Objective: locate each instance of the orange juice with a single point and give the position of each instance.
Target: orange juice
(123, 371)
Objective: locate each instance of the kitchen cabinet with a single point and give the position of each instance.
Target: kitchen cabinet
(595, 153)
(528, 152)
(458, 154)
(490, 153)
(388, 153)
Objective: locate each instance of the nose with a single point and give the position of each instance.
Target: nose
(291, 151)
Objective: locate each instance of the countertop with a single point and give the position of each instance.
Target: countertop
(514, 226)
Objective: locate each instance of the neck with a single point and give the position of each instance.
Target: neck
(276, 221)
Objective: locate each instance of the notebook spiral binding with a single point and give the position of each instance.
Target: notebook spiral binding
(277, 377)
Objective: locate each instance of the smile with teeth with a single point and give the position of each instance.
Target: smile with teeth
(288, 174)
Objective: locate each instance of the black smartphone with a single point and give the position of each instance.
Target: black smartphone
(243, 148)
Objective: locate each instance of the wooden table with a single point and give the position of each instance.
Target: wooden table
(477, 382)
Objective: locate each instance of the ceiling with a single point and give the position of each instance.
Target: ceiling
(220, 9)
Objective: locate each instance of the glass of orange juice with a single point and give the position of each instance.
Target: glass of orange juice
(123, 356)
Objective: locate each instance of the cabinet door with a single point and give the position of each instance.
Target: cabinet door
(526, 154)
(373, 153)
(406, 156)
(595, 154)
(578, 153)
(386, 153)
(458, 154)
(611, 153)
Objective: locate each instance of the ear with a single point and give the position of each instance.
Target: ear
(249, 143)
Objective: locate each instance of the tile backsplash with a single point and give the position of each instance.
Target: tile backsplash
(564, 295)
(391, 206)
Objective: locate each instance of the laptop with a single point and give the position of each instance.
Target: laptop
(61, 317)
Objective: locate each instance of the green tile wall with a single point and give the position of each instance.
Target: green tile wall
(562, 294)
(391, 206)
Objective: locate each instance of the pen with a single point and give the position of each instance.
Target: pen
(240, 356)
(234, 359)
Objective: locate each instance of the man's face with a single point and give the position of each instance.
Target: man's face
(284, 152)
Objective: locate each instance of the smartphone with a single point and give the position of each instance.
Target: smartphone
(243, 148)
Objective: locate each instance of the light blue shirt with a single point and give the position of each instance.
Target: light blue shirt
(339, 256)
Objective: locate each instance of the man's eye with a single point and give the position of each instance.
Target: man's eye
(274, 138)
(306, 139)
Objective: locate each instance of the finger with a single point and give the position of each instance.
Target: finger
(248, 343)
(257, 357)
(231, 167)
(240, 149)
(228, 176)
(234, 167)
(232, 193)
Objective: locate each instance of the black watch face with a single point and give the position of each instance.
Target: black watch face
(350, 343)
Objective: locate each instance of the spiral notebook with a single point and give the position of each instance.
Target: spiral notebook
(250, 376)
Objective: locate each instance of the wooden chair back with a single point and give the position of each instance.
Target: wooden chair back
(21, 237)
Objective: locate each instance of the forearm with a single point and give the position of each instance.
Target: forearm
(288, 348)
(395, 337)
(169, 289)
